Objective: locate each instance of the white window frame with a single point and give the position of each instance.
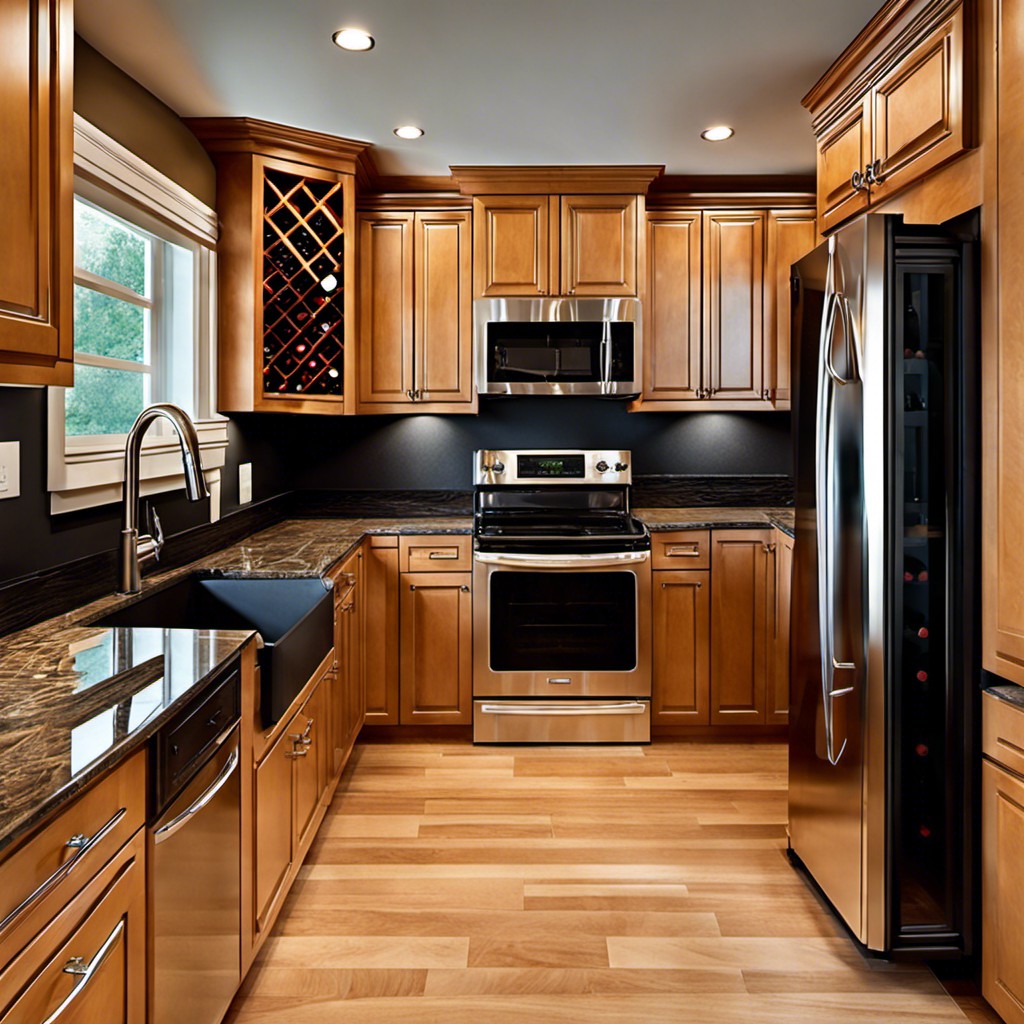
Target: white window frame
(87, 472)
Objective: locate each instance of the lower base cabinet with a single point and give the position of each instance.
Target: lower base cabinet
(681, 613)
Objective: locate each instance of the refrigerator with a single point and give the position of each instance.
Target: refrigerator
(884, 649)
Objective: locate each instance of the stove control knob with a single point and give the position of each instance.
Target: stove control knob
(621, 467)
(601, 467)
(495, 467)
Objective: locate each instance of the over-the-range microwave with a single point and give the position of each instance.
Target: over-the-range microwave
(558, 346)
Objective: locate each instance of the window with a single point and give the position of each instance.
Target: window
(143, 316)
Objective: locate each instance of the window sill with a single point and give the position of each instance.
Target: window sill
(90, 475)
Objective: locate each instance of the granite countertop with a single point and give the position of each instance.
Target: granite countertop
(77, 698)
(1011, 693)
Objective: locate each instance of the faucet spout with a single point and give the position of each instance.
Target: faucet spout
(135, 549)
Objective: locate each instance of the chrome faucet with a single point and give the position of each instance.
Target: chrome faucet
(135, 549)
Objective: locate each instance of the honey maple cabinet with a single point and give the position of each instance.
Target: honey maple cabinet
(36, 160)
(718, 307)
(897, 104)
(285, 264)
(537, 245)
(415, 312)
(1002, 836)
(681, 610)
(741, 573)
(380, 603)
(780, 583)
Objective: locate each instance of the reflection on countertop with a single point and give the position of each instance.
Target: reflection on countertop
(717, 518)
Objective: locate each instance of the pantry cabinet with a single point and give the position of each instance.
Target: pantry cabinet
(36, 166)
(897, 104)
(415, 319)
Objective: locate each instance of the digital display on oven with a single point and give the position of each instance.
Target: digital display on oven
(551, 465)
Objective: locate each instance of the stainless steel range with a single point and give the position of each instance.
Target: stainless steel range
(562, 609)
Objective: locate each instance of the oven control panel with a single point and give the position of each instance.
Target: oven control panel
(539, 466)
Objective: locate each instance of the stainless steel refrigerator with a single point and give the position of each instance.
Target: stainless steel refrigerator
(883, 652)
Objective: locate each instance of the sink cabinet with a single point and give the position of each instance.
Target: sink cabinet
(36, 257)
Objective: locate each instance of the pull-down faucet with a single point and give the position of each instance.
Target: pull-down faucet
(135, 549)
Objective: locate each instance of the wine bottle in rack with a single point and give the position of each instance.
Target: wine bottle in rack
(914, 570)
(915, 624)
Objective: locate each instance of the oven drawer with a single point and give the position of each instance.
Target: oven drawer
(578, 721)
(681, 549)
(435, 554)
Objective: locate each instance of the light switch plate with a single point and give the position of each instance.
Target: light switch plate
(10, 469)
(244, 483)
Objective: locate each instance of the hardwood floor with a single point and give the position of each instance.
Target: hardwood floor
(497, 885)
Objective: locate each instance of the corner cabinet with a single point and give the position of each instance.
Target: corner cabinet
(36, 167)
(415, 312)
(286, 274)
(911, 111)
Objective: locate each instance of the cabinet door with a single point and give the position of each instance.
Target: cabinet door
(682, 635)
(443, 330)
(1002, 979)
(36, 262)
(106, 931)
(780, 578)
(734, 304)
(437, 648)
(515, 246)
(843, 148)
(273, 825)
(599, 245)
(1003, 368)
(739, 620)
(672, 319)
(791, 235)
(309, 754)
(385, 308)
(918, 110)
(380, 625)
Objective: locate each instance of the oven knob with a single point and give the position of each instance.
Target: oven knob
(621, 467)
(495, 467)
(601, 467)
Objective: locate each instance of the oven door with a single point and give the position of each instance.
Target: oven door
(559, 626)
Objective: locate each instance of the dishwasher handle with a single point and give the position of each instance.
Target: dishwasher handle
(178, 822)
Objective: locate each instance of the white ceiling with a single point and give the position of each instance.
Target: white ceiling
(499, 81)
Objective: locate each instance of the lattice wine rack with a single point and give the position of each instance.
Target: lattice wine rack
(303, 294)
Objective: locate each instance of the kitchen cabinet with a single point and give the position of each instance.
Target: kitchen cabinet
(286, 268)
(380, 626)
(1002, 835)
(346, 703)
(740, 573)
(537, 245)
(881, 129)
(780, 582)
(36, 167)
(681, 637)
(415, 322)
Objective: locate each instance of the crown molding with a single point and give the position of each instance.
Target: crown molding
(413, 199)
(220, 135)
(574, 180)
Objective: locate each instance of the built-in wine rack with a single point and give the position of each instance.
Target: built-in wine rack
(303, 286)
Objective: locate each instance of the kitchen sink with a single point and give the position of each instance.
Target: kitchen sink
(294, 617)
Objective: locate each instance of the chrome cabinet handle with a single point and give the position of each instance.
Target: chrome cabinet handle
(436, 556)
(857, 182)
(698, 585)
(873, 173)
(83, 844)
(85, 972)
(178, 822)
(301, 752)
(677, 551)
(411, 395)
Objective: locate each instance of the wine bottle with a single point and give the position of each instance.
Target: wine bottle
(915, 624)
(914, 570)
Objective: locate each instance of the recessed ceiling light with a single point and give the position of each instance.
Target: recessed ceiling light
(408, 131)
(353, 39)
(719, 133)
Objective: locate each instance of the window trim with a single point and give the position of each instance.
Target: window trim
(89, 472)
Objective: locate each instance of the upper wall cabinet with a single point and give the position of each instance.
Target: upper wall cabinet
(286, 316)
(897, 104)
(415, 309)
(36, 168)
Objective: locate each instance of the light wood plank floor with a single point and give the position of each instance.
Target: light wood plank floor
(497, 885)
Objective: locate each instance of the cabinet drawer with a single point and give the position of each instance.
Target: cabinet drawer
(44, 873)
(435, 554)
(1002, 732)
(681, 549)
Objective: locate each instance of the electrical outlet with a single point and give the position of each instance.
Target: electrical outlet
(244, 483)
(10, 469)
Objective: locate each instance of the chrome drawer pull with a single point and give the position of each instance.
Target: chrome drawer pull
(85, 972)
(692, 551)
(564, 710)
(218, 783)
(437, 555)
(83, 844)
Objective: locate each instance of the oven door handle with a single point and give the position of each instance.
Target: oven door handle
(514, 560)
(632, 707)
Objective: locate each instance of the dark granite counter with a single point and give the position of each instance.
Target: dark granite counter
(76, 698)
(1008, 692)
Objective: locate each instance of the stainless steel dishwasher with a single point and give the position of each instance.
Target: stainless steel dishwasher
(194, 859)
